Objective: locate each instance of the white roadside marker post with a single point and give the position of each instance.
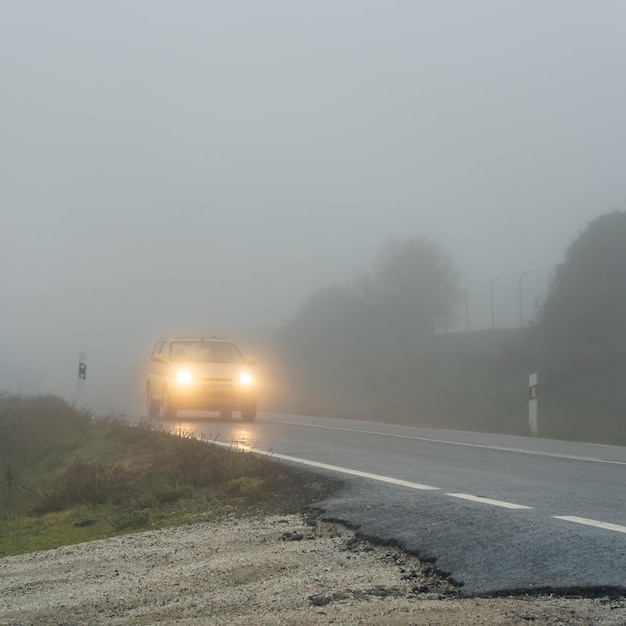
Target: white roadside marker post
(533, 417)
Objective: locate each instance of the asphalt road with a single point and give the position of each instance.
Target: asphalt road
(498, 514)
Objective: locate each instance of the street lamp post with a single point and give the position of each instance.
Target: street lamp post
(493, 308)
(467, 288)
(521, 299)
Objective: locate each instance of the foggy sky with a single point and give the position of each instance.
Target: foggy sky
(192, 164)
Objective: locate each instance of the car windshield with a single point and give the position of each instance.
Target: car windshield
(204, 352)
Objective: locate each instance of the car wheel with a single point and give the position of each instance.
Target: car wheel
(153, 406)
(248, 411)
(168, 407)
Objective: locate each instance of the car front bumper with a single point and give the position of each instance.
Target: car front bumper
(211, 395)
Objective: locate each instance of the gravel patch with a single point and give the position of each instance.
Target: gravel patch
(276, 570)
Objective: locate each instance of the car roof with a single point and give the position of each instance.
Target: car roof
(194, 336)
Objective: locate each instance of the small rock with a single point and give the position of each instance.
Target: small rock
(85, 522)
(320, 599)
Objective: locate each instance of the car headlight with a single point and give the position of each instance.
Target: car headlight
(183, 377)
(245, 378)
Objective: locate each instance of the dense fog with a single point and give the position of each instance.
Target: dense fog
(209, 165)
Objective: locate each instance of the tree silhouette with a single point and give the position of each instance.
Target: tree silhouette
(583, 320)
(414, 286)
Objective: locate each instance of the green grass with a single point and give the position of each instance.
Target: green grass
(66, 478)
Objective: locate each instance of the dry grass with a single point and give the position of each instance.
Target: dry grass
(67, 477)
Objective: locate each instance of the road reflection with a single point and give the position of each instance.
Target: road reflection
(243, 440)
(211, 427)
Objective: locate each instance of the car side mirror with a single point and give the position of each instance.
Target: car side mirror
(159, 358)
(250, 360)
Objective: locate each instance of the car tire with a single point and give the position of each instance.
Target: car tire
(168, 407)
(248, 411)
(153, 406)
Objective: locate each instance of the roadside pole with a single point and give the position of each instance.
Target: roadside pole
(533, 416)
(82, 378)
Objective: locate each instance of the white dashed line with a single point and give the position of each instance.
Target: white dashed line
(591, 522)
(342, 470)
(421, 487)
(504, 505)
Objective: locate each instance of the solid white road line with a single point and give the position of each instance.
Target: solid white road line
(342, 470)
(554, 455)
(421, 487)
(592, 522)
(505, 505)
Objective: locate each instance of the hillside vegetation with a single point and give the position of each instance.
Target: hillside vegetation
(378, 349)
(67, 477)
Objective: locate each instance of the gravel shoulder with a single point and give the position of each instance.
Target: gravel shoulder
(288, 569)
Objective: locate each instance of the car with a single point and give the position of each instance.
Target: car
(200, 371)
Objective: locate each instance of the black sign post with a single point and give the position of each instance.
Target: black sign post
(82, 377)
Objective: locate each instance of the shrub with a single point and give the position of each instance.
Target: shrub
(85, 482)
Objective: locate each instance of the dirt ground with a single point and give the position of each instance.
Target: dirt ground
(277, 570)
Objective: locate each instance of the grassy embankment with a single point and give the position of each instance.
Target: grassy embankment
(67, 478)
